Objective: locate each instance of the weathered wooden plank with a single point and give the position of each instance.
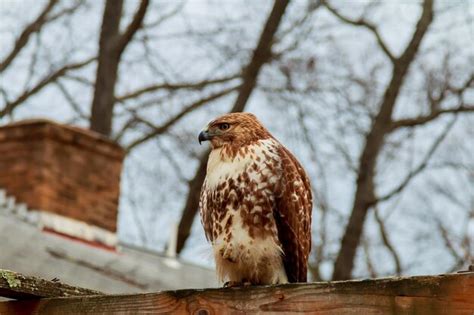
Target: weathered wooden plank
(17, 286)
(444, 294)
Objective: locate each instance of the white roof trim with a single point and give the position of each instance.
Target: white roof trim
(56, 222)
(75, 228)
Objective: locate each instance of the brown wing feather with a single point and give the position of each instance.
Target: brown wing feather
(293, 217)
(206, 222)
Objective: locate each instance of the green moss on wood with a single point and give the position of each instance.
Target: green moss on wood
(10, 277)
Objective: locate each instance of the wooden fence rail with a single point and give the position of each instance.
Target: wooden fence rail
(17, 286)
(443, 294)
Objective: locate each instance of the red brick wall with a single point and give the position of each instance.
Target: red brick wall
(62, 169)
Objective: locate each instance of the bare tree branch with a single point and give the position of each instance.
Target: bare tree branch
(168, 154)
(169, 86)
(261, 55)
(66, 11)
(448, 244)
(157, 130)
(365, 186)
(435, 106)
(29, 30)
(74, 105)
(413, 122)
(10, 106)
(386, 241)
(363, 23)
(398, 189)
(133, 27)
(420, 167)
(368, 259)
(165, 17)
(142, 234)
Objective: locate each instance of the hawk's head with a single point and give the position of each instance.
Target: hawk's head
(233, 129)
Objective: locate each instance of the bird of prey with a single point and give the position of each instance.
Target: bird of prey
(255, 204)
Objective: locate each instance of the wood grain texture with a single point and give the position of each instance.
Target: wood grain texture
(17, 286)
(444, 294)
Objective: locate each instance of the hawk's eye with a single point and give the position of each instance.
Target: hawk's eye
(224, 126)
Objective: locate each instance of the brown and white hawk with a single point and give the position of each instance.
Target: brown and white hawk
(255, 204)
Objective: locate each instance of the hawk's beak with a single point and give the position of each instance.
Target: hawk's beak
(204, 136)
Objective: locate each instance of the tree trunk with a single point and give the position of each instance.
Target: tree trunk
(111, 46)
(106, 77)
(261, 55)
(192, 203)
(365, 192)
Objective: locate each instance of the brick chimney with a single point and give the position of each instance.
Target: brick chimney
(70, 176)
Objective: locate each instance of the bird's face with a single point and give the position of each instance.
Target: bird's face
(233, 129)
